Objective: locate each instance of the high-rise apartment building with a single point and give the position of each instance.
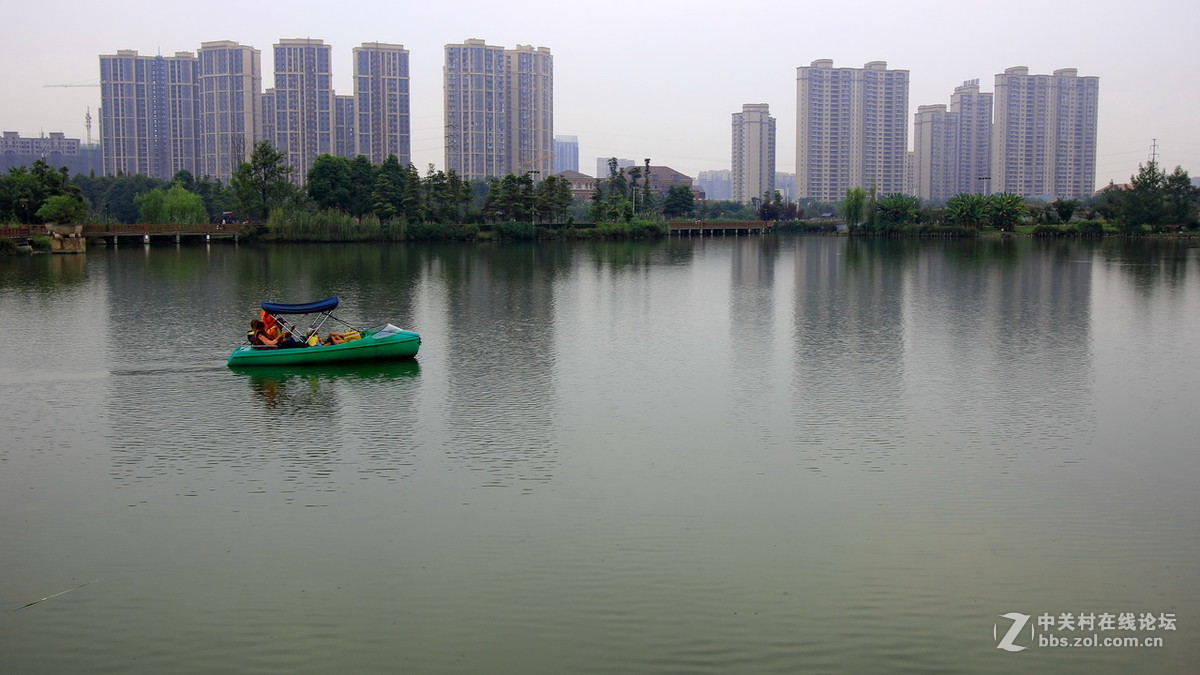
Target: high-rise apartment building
(476, 104)
(785, 185)
(530, 109)
(753, 159)
(974, 111)
(345, 138)
(230, 106)
(381, 102)
(149, 113)
(935, 153)
(268, 116)
(851, 129)
(303, 102)
(952, 147)
(566, 154)
(716, 184)
(1044, 134)
(499, 109)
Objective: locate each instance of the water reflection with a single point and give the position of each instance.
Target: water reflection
(736, 454)
(849, 329)
(43, 271)
(1151, 262)
(989, 342)
(309, 388)
(752, 319)
(501, 398)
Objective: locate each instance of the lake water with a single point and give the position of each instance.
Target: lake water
(731, 455)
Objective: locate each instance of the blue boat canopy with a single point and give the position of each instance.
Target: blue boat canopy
(326, 305)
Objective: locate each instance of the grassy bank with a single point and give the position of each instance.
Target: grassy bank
(335, 226)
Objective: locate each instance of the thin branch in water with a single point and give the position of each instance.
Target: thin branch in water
(31, 604)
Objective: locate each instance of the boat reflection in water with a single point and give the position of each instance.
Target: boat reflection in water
(313, 388)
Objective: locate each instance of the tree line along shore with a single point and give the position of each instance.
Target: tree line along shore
(355, 200)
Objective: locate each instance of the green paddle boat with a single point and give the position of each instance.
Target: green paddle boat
(384, 343)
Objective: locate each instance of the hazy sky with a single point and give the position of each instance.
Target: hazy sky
(657, 79)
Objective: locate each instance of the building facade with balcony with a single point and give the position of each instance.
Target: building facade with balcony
(381, 102)
(230, 78)
(851, 129)
(1044, 134)
(149, 113)
(753, 153)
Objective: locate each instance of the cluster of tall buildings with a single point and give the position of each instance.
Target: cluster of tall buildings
(499, 109)
(204, 111)
(1035, 136)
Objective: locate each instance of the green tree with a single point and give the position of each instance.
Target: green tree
(388, 193)
(329, 183)
(774, 208)
(967, 209)
(117, 197)
(412, 206)
(1004, 210)
(897, 209)
(724, 209)
(1107, 203)
(1143, 203)
(679, 201)
(184, 206)
(1181, 197)
(854, 206)
(552, 198)
(24, 191)
(1065, 208)
(647, 196)
(214, 195)
(361, 201)
(174, 205)
(262, 183)
(510, 198)
(150, 206)
(63, 210)
(185, 178)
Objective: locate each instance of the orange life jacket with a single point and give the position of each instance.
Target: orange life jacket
(270, 325)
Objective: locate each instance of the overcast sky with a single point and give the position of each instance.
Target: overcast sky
(656, 79)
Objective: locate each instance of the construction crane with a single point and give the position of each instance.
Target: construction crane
(536, 161)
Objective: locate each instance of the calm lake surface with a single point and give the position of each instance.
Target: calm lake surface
(741, 455)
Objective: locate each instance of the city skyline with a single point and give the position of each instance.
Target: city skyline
(618, 92)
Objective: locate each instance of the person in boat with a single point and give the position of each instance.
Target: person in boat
(339, 338)
(287, 340)
(270, 325)
(258, 335)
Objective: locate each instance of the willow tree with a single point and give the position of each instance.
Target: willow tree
(175, 205)
(854, 206)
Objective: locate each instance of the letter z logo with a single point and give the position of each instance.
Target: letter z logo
(1018, 622)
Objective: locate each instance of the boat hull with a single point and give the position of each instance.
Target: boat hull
(371, 347)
